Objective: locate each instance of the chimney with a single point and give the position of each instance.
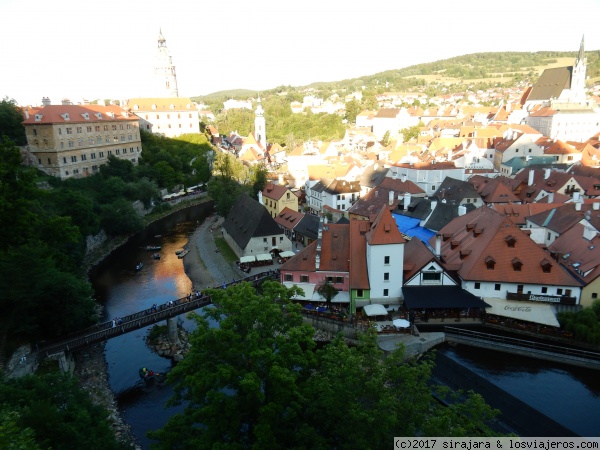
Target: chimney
(462, 210)
(450, 154)
(46, 101)
(576, 196)
(394, 174)
(66, 102)
(530, 180)
(260, 198)
(438, 245)
(595, 206)
(403, 178)
(551, 197)
(546, 173)
(577, 206)
(433, 204)
(406, 200)
(391, 198)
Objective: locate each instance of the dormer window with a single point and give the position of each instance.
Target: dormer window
(98, 115)
(446, 236)
(546, 265)
(86, 116)
(65, 116)
(490, 263)
(171, 106)
(517, 264)
(464, 253)
(136, 107)
(38, 117)
(510, 241)
(454, 244)
(153, 106)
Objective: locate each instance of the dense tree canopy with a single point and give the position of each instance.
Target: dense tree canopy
(50, 411)
(256, 381)
(11, 122)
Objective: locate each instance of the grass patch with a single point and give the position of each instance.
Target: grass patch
(225, 250)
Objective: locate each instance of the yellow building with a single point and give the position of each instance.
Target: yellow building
(74, 140)
(275, 198)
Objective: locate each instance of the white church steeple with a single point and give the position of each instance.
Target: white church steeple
(578, 76)
(260, 132)
(165, 71)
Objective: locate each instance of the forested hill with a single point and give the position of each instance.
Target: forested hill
(490, 67)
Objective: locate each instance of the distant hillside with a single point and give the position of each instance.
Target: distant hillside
(505, 68)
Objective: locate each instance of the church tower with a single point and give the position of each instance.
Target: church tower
(165, 71)
(578, 77)
(260, 131)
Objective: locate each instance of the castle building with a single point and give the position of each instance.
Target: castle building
(170, 117)
(165, 71)
(74, 140)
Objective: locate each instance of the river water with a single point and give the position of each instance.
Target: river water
(569, 395)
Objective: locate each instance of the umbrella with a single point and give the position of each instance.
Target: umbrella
(401, 323)
(309, 306)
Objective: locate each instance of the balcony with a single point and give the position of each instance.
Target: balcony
(520, 296)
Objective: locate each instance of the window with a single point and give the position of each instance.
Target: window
(98, 140)
(477, 285)
(97, 128)
(73, 158)
(433, 187)
(329, 279)
(62, 145)
(90, 141)
(60, 131)
(93, 156)
(71, 144)
(83, 157)
(89, 129)
(105, 127)
(123, 138)
(64, 160)
(128, 126)
(101, 154)
(497, 287)
(69, 130)
(386, 276)
(303, 278)
(118, 151)
(265, 240)
(49, 161)
(34, 132)
(594, 295)
(559, 291)
(288, 277)
(121, 126)
(114, 128)
(544, 290)
(130, 137)
(386, 259)
(109, 152)
(386, 293)
(339, 280)
(432, 276)
(79, 130)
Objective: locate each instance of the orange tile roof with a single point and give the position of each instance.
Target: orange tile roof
(56, 113)
(384, 230)
(359, 274)
(288, 218)
(416, 256)
(274, 191)
(162, 104)
(482, 237)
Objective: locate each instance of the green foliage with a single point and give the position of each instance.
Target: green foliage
(11, 122)
(120, 218)
(385, 140)
(353, 108)
(224, 191)
(256, 381)
(327, 290)
(584, 324)
(410, 133)
(51, 411)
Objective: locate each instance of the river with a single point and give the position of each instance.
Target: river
(569, 395)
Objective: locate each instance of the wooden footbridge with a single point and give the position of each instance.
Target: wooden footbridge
(107, 330)
(532, 349)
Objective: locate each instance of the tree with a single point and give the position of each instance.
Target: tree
(258, 176)
(120, 218)
(385, 141)
(352, 110)
(410, 133)
(327, 290)
(241, 380)
(11, 122)
(255, 381)
(53, 412)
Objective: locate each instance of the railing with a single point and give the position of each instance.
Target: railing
(507, 341)
(137, 320)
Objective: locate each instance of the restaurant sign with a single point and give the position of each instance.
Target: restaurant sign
(544, 298)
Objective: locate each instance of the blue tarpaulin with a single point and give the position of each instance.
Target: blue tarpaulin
(410, 227)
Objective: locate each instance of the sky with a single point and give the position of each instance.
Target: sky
(97, 50)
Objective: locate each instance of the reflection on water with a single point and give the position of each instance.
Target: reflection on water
(569, 395)
(123, 290)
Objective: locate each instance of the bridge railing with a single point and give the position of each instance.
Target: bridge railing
(138, 319)
(506, 340)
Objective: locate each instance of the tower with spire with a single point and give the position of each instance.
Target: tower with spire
(260, 132)
(578, 76)
(165, 70)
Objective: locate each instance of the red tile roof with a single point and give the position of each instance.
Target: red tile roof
(384, 229)
(359, 275)
(77, 113)
(274, 191)
(482, 239)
